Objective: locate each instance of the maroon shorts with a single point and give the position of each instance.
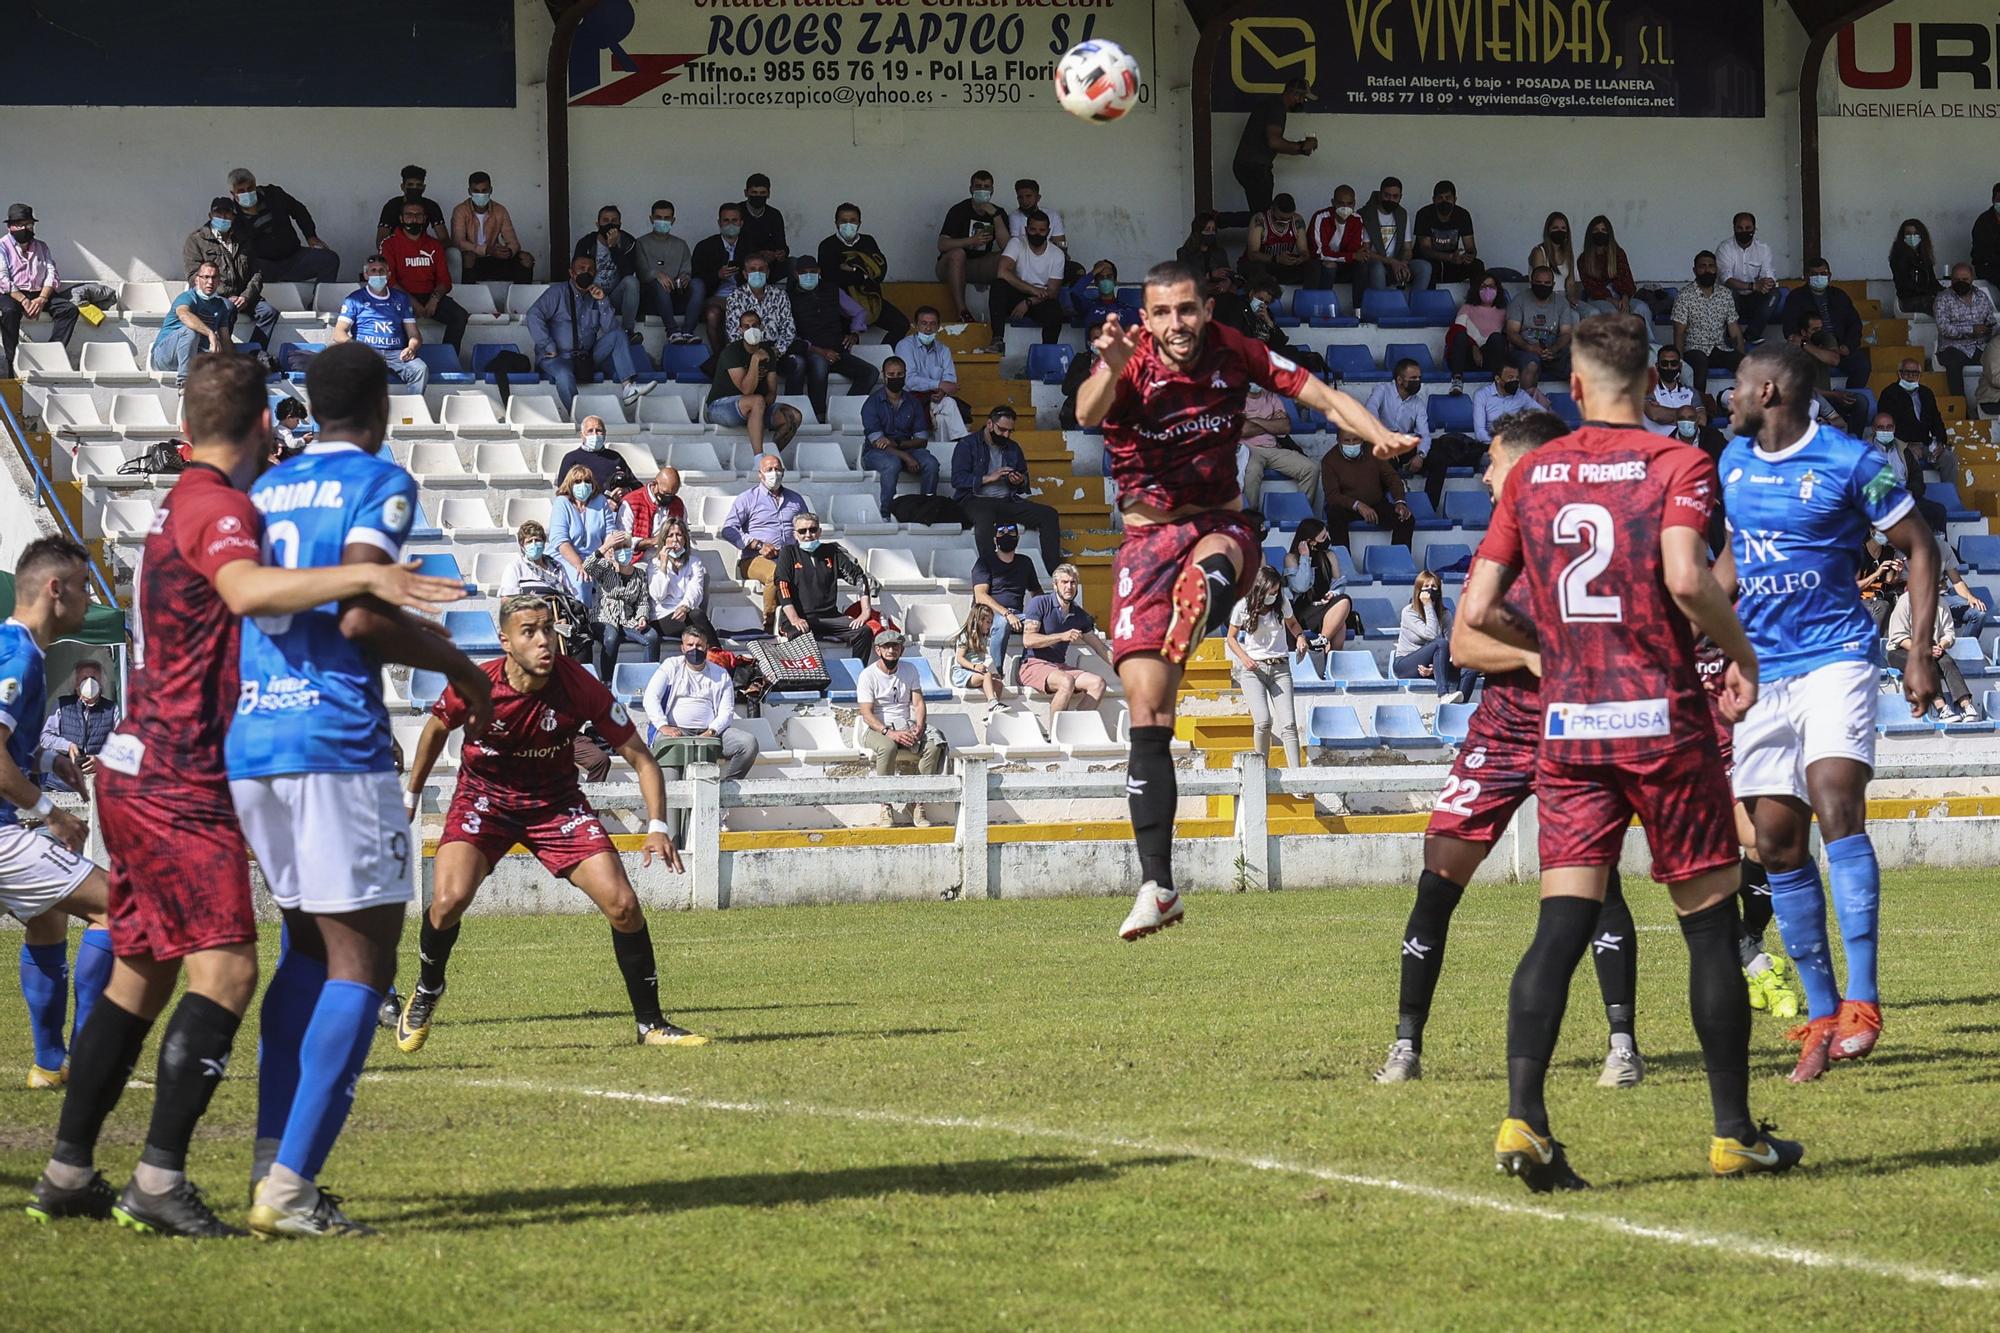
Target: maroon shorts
(1490, 778)
(562, 835)
(1681, 798)
(1151, 557)
(180, 870)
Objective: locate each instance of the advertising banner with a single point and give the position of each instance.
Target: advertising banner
(1501, 57)
(811, 55)
(1889, 68)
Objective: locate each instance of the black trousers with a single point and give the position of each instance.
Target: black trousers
(1493, 353)
(1951, 680)
(986, 512)
(857, 639)
(814, 368)
(1700, 363)
(1448, 451)
(452, 315)
(492, 268)
(1047, 312)
(60, 309)
(1258, 186)
(672, 627)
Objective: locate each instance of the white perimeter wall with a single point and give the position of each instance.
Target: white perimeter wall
(119, 187)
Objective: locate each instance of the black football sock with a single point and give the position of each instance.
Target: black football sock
(1755, 891)
(642, 978)
(1151, 793)
(1423, 954)
(1221, 591)
(1721, 1010)
(193, 1055)
(1615, 951)
(434, 948)
(99, 1067)
(1536, 1000)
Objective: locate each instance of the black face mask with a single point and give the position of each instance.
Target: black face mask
(894, 385)
(25, 236)
(414, 228)
(1962, 288)
(1558, 236)
(583, 282)
(1007, 542)
(1542, 290)
(1670, 374)
(1506, 386)
(1704, 279)
(409, 193)
(1598, 238)
(606, 228)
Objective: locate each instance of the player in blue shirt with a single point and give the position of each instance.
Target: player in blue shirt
(1801, 500)
(44, 879)
(312, 776)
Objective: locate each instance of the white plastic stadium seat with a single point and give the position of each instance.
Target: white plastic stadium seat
(503, 464)
(816, 739)
(328, 298)
(143, 410)
(959, 732)
(44, 361)
(693, 455)
(660, 409)
(1084, 736)
(526, 509)
(824, 457)
(809, 422)
(489, 567)
(471, 412)
(539, 412)
(609, 407)
(410, 414)
(466, 518)
(522, 295)
(113, 362)
(477, 303)
(933, 624)
(953, 565)
(288, 299)
(436, 463)
(712, 511)
(857, 515)
(98, 464)
(844, 413)
(145, 302)
(128, 520)
(1019, 736)
(768, 749)
(895, 567)
(76, 414)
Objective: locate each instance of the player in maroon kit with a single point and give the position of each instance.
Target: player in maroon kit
(518, 784)
(180, 877)
(1170, 398)
(1491, 777)
(1609, 525)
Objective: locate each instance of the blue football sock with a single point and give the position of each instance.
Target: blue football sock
(45, 986)
(336, 1046)
(1800, 908)
(288, 1008)
(93, 969)
(1857, 897)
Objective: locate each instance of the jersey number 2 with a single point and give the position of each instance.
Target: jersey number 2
(1576, 523)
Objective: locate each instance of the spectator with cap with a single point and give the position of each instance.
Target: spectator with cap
(1264, 142)
(764, 226)
(613, 253)
(758, 525)
(1445, 238)
(575, 333)
(932, 375)
(1751, 275)
(810, 571)
(989, 480)
(1359, 485)
(482, 232)
(216, 241)
(30, 286)
(79, 724)
(417, 268)
(1965, 324)
(413, 193)
(678, 584)
(275, 222)
(895, 434)
(667, 286)
(830, 325)
(197, 321)
(893, 720)
(746, 389)
(1837, 313)
(853, 261)
(1002, 581)
(970, 242)
(1052, 624)
(691, 703)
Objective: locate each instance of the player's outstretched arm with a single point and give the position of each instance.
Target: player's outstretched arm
(1348, 411)
(1483, 608)
(394, 636)
(1920, 674)
(653, 788)
(430, 744)
(1114, 347)
(248, 588)
(1698, 594)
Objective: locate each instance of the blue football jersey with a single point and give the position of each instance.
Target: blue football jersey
(378, 320)
(24, 700)
(1797, 521)
(311, 700)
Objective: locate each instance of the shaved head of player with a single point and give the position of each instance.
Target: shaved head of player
(1801, 499)
(1606, 531)
(518, 784)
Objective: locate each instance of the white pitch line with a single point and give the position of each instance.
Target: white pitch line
(1734, 1245)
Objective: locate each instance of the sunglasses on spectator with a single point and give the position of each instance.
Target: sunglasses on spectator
(807, 532)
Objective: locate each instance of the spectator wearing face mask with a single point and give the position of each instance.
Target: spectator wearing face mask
(1258, 320)
(1910, 403)
(1539, 327)
(417, 268)
(852, 260)
(216, 241)
(691, 703)
(895, 435)
(593, 454)
(1965, 322)
(1095, 295)
(482, 232)
(1558, 256)
(197, 321)
(757, 294)
(1080, 366)
(1423, 643)
(1672, 390)
(891, 701)
(1495, 402)
(1335, 238)
(830, 325)
(970, 242)
(746, 388)
(581, 520)
(810, 571)
(1837, 315)
(1820, 344)
(1029, 282)
(1603, 272)
(1402, 406)
(623, 610)
(1318, 589)
(1913, 268)
(718, 265)
(679, 585)
(764, 227)
(30, 286)
(759, 524)
(79, 724)
(932, 374)
(1444, 237)
(1706, 333)
(1951, 678)
(644, 509)
(1361, 487)
(667, 285)
(574, 333)
(1750, 274)
(1391, 259)
(536, 569)
(613, 253)
(1909, 460)
(391, 216)
(1202, 251)
(1477, 338)
(381, 319)
(274, 221)
(1266, 445)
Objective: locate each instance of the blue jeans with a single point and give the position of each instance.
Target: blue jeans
(888, 469)
(996, 644)
(612, 352)
(671, 307)
(815, 368)
(609, 637)
(1437, 656)
(1377, 275)
(624, 296)
(173, 351)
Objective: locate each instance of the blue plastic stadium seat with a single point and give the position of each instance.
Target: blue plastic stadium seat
(1980, 553)
(1389, 564)
(1985, 594)
(1967, 653)
(1274, 556)
(684, 361)
(1417, 352)
(1379, 305)
(1428, 519)
(1955, 509)
(1337, 727)
(1311, 306)
(1380, 618)
(1469, 509)
(1286, 509)
(441, 565)
(422, 529)
(1354, 362)
(473, 632)
(1892, 717)
(1049, 362)
(1453, 721)
(1401, 727)
(846, 676)
(1435, 309)
(426, 688)
(1667, 294)
(443, 361)
(1450, 561)
(1304, 420)
(1343, 559)
(928, 684)
(1355, 670)
(629, 680)
(1565, 407)
(1451, 412)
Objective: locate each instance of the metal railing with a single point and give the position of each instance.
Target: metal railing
(45, 496)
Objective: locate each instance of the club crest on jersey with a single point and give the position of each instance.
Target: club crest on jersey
(1216, 381)
(228, 523)
(10, 690)
(396, 513)
(549, 722)
(618, 713)
(1806, 484)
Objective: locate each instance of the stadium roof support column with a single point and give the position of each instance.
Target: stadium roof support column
(1823, 20)
(1215, 19)
(558, 107)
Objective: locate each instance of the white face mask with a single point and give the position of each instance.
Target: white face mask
(1343, 212)
(752, 336)
(773, 480)
(1909, 385)
(88, 689)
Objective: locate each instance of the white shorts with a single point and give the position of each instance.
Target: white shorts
(36, 871)
(1828, 713)
(328, 842)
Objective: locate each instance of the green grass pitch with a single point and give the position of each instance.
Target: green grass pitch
(988, 1115)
